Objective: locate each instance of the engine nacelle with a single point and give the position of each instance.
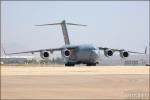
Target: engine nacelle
(66, 53)
(44, 54)
(108, 52)
(124, 54)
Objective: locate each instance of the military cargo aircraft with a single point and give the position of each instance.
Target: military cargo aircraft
(78, 54)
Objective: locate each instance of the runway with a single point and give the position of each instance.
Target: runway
(101, 82)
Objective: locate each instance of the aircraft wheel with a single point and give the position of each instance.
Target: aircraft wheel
(91, 64)
(68, 64)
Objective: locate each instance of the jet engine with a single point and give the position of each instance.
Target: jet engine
(124, 54)
(66, 53)
(108, 52)
(44, 54)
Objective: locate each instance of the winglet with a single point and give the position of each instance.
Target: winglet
(4, 51)
(145, 50)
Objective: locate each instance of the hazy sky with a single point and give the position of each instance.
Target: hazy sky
(114, 24)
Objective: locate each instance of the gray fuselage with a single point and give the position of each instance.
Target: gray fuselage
(82, 54)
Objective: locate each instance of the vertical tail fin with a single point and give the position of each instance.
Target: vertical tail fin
(65, 32)
(64, 29)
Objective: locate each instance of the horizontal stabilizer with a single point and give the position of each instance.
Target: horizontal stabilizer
(64, 29)
(48, 24)
(63, 22)
(75, 24)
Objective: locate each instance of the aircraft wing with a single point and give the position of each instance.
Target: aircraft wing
(51, 50)
(105, 48)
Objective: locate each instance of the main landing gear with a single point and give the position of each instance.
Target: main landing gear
(91, 64)
(69, 64)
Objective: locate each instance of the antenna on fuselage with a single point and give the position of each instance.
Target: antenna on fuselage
(64, 29)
